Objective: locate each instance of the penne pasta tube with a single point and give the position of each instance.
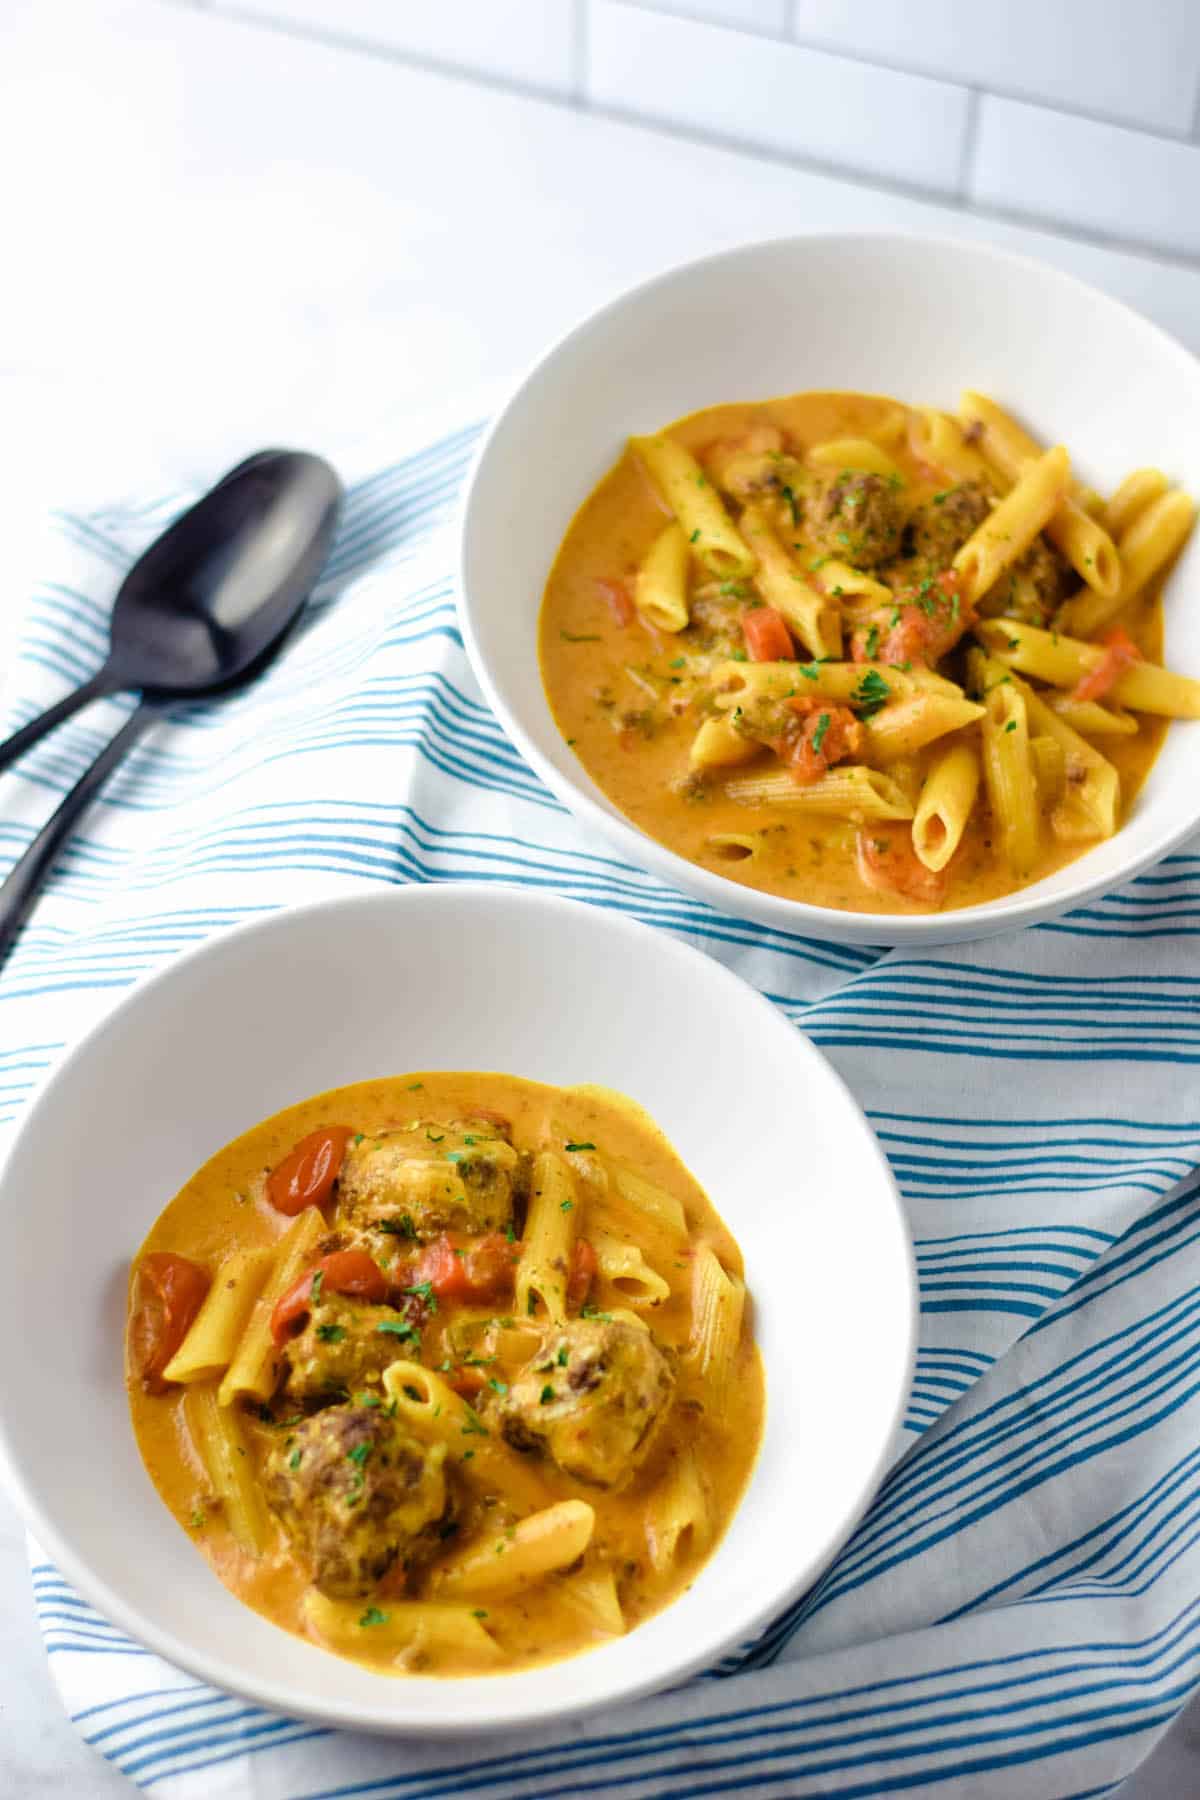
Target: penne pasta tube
(1064, 661)
(849, 791)
(1009, 530)
(851, 588)
(502, 1562)
(907, 726)
(1049, 770)
(741, 684)
(655, 1202)
(1082, 539)
(592, 1597)
(216, 1431)
(677, 1518)
(857, 454)
(254, 1370)
(1150, 541)
(698, 507)
(401, 1631)
(735, 846)
(1091, 793)
(718, 1307)
(1132, 497)
(1090, 718)
(945, 805)
(549, 1238)
(1008, 773)
(812, 616)
(661, 590)
(624, 1268)
(717, 745)
(432, 1409)
(938, 440)
(209, 1347)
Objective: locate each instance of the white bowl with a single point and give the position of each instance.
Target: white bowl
(916, 318)
(448, 977)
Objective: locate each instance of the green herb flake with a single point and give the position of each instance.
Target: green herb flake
(562, 1356)
(455, 1156)
(294, 1459)
(373, 1616)
(415, 1086)
(424, 1291)
(873, 643)
(359, 1454)
(565, 1205)
(474, 1425)
(1011, 726)
(590, 1312)
(330, 1334)
(818, 737)
(358, 1138)
(790, 497)
(498, 1387)
(583, 637)
(579, 1146)
(399, 1328)
(871, 693)
(198, 1520)
(695, 536)
(479, 1612)
(680, 662)
(367, 1400)
(546, 1395)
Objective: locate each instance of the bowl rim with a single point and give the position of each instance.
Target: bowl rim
(494, 1717)
(966, 924)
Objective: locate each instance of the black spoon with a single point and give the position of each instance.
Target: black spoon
(204, 608)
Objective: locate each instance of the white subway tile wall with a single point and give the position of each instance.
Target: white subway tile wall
(731, 85)
(1083, 114)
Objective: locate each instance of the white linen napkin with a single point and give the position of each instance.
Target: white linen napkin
(1019, 1613)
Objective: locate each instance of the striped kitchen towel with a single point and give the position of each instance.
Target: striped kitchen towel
(1018, 1615)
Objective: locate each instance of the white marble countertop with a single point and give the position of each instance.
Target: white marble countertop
(219, 236)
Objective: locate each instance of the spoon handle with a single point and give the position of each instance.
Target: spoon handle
(28, 875)
(23, 740)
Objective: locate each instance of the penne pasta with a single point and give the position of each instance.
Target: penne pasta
(1090, 718)
(677, 1517)
(550, 1230)
(506, 1561)
(851, 588)
(717, 745)
(430, 1406)
(735, 846)
(661, 590)
(1132, 497)
(1064, 661)
(850, 791)
(663, 1209)
(718, 1307)
(741, 684)
(698, 507)
(1009, 775)
(900, 729)
(813, 617)
(1049, 770)
(624, 1268)
(945, 805)
(210, 1345)
(253, 1372)
(937, 440)
(592, 1597)
(1149, 542)
(1009, 530)
(216, 1431)
(855, 453)
(1082, 539)
(402, 1631)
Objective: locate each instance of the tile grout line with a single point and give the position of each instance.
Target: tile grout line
(970, 144)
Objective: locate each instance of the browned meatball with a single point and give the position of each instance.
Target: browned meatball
(423, 1179)
(592, 1397)
(356, 1495)
(857, 518)
(347, 1344)
(1034, 588)
(941, 526)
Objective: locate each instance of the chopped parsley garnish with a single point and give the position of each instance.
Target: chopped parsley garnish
(546, 1395)
(818, 737)
(873, 643)
(435, 1138)
(401, 1227)
(479, 1612)
(414, 1085)
(399, 1328)
(589, 1312)
(424, 1291)
(294, 1459)
(359, 1454)
(565, 1205)
(810, 671)
(1011, 726)
(499, 1387)
(680, 662)
(365, 1399)
(510, 1234)
(358, 1138)
(583, 637)
(871, 693)
(198, 1520)
(944, 495)
(579, 1146)
(474, 1425)
(562, 1356)
(790, 497)
(373, 1616)
(695, 535)
(330, 1334)
(314, 1292)
(455, 1156)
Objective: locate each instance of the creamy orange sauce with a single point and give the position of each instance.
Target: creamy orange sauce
(223, 1208)
(596, 670)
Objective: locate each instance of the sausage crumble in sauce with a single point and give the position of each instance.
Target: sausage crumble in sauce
(451, 1373)
(868, 656)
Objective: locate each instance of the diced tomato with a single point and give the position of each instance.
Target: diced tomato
(619, 598)
(767, 636)
(888, 864)
(342, 1272)
(307, 1173)
(168, 1292)
(466, 1268)
(583, 1272)
(1120, 652)
(824, 734)
(921, 628)
(467, 1380)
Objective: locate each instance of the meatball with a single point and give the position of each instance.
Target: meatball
(592, 1398)
(1034, 588)
(424, 1179)
(942, 525)
(356, 1495)
(857, 518)
(347, 1344)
